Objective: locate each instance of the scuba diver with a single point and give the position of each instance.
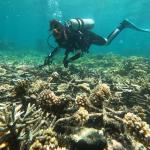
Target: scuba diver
(75, 36)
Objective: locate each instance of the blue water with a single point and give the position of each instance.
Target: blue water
(25, 23)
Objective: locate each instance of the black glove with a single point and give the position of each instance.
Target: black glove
(47, 61)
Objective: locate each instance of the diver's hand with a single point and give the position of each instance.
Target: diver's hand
(47, 61)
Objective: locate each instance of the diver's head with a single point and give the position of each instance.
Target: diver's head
(57, 28)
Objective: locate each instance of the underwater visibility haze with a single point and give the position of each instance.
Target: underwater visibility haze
(98, 100)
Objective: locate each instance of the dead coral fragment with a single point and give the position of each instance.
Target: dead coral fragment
(5, 88)
(85, 87)
(37, 86)
(63, 87)
(138, 128)
(2, 71)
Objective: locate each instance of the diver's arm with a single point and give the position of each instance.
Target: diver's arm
(48, 60)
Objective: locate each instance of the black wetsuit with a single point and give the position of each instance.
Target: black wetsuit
(74, 40)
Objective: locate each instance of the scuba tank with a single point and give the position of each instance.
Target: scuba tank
(79, 24)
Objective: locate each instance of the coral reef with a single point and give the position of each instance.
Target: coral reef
(100, 99)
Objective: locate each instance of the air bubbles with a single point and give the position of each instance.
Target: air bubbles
(54, 9)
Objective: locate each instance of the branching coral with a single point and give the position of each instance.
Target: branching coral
(138, 128)
(14, 123)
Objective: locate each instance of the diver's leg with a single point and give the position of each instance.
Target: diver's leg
(113, 34)
(76, 56)
(129, 24)
(95, 39)
(124, 24)
(65, 61)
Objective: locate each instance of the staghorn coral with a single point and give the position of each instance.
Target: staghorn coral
(14, 124)
(138, 128)
(110, 69)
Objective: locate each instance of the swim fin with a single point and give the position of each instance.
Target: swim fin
(127, 24)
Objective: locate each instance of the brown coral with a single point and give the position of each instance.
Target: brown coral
(36, 146)
(48, 98)
(103, 90)
(99, 94)
(21, 86)
(82, 101)
(81, 116)
(137, 128)
(48, 141)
